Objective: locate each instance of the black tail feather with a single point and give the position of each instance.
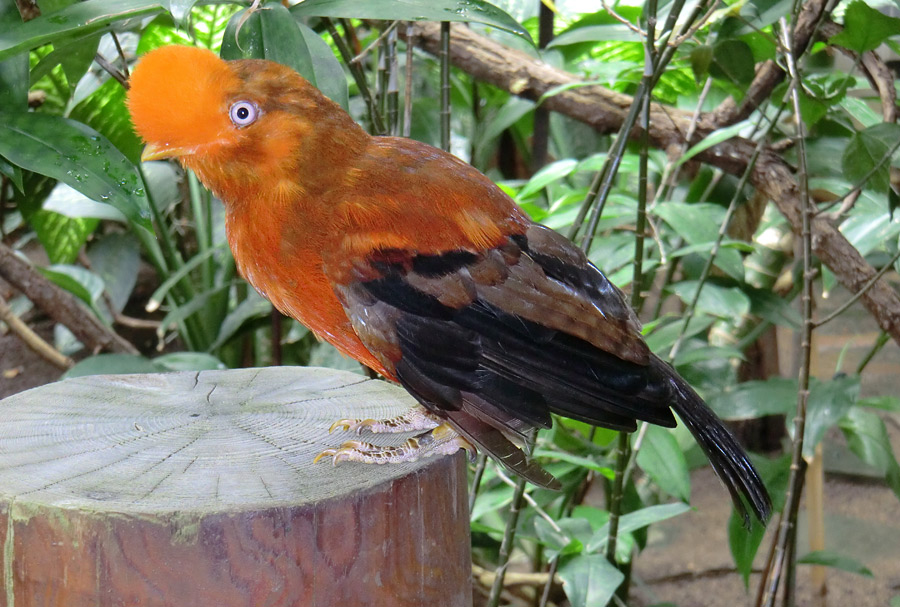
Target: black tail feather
(727, 457)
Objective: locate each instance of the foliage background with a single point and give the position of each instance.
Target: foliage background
(711, 262)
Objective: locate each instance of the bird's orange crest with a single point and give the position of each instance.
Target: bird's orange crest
(178, 97)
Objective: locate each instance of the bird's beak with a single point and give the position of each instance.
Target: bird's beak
(156, 151)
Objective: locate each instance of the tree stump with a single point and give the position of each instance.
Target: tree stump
(198, 488)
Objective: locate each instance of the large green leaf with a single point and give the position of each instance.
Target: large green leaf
(81, 19)
(827, 558)
(62, 233)
(751, 399)
(77, 155)
(869, 154)
(272, 33)
(828, 402)
(104, 110)
(724, 302)
(699, 223)
(865, 28)
(589, 580)
(477, 11)
(868, 439)
(663, 461)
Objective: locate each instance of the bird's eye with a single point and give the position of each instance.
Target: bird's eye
(243, 113)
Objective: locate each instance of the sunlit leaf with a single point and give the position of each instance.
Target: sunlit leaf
(477, 11)
(865, 28)
(77, 155)
(81, 18)
(272, 33)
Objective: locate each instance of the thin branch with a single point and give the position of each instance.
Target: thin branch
(60, 305)
(112, 70)
(856, 296)
(362, 54)
(506, 546)
(32, 339)
(445, 85)
(786, 535)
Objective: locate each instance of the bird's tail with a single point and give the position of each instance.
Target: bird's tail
(727, 457)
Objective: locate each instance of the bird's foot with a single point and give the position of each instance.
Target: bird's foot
(415, 419)
(441, 440)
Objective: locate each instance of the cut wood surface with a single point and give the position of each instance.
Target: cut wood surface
(198, 488)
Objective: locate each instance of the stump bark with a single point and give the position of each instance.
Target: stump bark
(199, 489)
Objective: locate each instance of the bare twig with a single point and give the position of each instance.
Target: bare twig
(862, 291)
(32, 339)
(362, 54)
(60, 305)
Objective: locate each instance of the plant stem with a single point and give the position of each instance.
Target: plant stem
(786, 535)
(509, 536)
(445, 85)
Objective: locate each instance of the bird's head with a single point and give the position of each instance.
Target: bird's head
(234, 122)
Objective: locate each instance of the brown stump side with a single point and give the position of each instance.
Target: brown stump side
(195, 489)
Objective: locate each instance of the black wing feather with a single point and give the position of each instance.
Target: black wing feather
(475, 349)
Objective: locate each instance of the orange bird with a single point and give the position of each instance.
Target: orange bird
(418, 266)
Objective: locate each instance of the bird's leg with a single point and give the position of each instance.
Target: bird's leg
(440, 440)
(416, 419)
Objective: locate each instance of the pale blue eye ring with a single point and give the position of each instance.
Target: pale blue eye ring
(243, 113)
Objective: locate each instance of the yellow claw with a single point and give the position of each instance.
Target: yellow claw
(351, 425)
(345, 451)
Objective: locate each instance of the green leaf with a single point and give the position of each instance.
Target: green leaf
(699, 223)
(589, 580)
(83, 283)
(868, 439)
(869, 151)
(568, 539)
(752, 399)
(637, 520)
(105, 111)
(112, 364)
(714, 138)
(701, 58)
(13, 173)
(14, 83)
(705, 353)
(252, 307)
(828, 402)
(272, 33)
(865, 28)
(73, 56)
(595, 33)
(81, 18)
(546, 175)
(744, 544)
(115, 258)
(729, 303)
(733, 62)
(77, 155)
(61, 236)
(468, 11)
(664, 336)
(827, 558)
(663, 461)
(188, 361)
(69, 202)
